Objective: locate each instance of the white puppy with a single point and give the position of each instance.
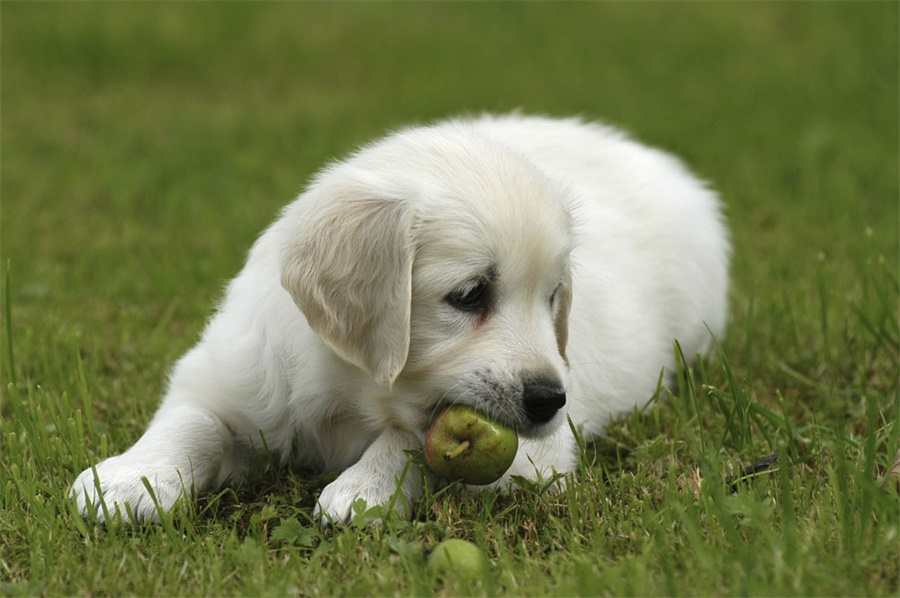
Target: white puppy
(533, 268)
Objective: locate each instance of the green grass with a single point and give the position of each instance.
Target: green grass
(145, 145)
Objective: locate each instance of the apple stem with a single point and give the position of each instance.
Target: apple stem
(459, 450)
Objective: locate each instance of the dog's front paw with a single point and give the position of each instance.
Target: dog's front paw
(120, 483)
(376, 489)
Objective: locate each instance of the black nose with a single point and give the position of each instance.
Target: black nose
(543, 398)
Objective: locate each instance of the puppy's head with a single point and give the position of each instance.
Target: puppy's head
(437, 261)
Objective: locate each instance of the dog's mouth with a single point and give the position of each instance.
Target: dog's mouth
(518, 420)
(532, 405)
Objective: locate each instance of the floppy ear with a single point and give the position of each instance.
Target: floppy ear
(348, 267)
(564, 306)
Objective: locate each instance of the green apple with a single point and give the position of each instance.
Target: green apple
(464, 444)
(457, 557)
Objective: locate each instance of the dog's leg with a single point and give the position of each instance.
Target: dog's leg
(382, 476)
(540, 459)
(182, 450)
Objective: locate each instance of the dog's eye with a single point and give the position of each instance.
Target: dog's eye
(474, 296)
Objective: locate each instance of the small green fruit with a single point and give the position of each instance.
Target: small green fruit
(457, 557)
(464, 444)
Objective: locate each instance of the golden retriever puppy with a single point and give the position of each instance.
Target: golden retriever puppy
(534, 268)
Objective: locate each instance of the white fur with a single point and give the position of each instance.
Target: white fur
(336, 344)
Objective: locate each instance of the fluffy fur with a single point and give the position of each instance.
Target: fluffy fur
(506, 262)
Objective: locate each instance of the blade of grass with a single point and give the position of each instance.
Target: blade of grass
(10, 357)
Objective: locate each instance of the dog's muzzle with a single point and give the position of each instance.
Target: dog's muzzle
(542, 399)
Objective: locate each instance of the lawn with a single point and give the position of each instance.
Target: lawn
(144, 146)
